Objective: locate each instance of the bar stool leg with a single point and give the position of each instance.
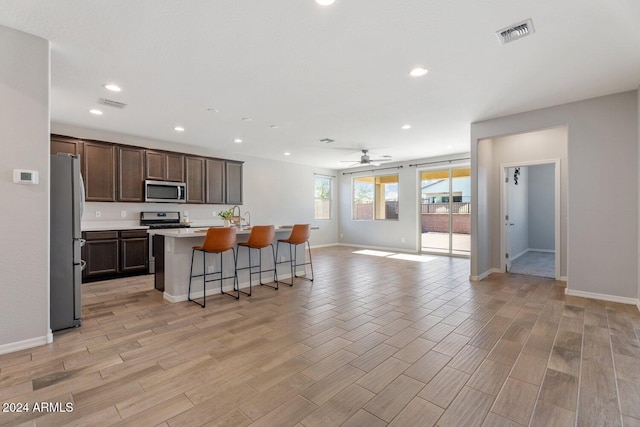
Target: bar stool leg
(310, 262)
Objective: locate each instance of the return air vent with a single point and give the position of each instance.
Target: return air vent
(515, 32)
(111, 103)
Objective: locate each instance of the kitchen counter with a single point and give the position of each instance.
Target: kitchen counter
(173, 248)
(181, 233)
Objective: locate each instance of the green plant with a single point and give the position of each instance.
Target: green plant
(226, 214)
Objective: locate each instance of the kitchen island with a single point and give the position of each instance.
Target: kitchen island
(173, 249)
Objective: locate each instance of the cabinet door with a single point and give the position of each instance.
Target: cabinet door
(130, 174)
(215, 186)
(134, 254)
(99, 172)
(101, 257)
(61, 144)
(234, 183)
(156, 165)
(175, 167)
(195, 179)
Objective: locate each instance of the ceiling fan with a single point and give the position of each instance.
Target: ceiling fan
(366, 160)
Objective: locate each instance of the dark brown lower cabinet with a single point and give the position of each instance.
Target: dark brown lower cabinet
(134, 251)
(101, 253)
(115, 253)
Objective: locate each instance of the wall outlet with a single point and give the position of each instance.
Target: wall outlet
(214, 213)
(402, 240)
(98, 214)
(341, 235)
(123, 214)
(210, 269)
(185, 214)
(282, 258)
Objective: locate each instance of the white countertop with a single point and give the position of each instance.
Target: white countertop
(201, 231)
(111, 225)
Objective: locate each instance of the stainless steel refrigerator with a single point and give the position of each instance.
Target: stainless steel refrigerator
(67, 201)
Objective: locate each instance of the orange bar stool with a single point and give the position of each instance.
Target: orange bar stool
(299, 236)
(260, 237)
(217, 241)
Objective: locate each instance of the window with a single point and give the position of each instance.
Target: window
(375, 197)
(323, 187)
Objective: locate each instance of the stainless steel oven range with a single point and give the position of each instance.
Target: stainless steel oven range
(156, 221)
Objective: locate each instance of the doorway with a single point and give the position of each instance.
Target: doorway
(530, 209)
(445, 211)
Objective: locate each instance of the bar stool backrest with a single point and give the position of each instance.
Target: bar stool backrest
(219, 239)
(300, 234)
(261, 236)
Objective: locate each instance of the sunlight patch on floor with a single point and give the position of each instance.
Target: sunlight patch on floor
(406, 257)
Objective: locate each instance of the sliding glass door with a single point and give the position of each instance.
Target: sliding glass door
(445, 200)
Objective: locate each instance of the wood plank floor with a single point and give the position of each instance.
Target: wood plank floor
(373, 341)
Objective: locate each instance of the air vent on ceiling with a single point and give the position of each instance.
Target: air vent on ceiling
(111, 103)
(515, 32)
(327, 140)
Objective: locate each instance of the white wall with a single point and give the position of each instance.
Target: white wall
(540, 145)
(274, 192)
(518, 212)
(399, 235)
(541, 188)
(24, 249)
(602, 243)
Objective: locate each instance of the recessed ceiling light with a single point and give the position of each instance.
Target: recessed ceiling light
(246, 119)
(95, 112)
(418, 72)
(237, 140)
(212, 110)
(178, 129)
(274, 126)
(287, 153)
(407, 126)
(449, 146)
(113, 87)
(327, 140)
(325, 2)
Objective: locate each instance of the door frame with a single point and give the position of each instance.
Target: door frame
(450, 167)
(503, 209)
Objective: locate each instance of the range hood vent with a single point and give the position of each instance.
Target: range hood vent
(515, 32)
(111, 103)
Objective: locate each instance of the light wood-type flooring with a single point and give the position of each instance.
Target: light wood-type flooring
(373, 341)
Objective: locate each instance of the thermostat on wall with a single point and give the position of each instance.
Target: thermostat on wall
(21, 176)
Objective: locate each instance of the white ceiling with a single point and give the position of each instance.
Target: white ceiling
(339, 72)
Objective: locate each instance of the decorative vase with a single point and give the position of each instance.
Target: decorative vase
(226, 223)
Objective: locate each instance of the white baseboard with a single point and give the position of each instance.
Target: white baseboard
(563, 279)
(485, 274)
(515, 257)
(602, 297)
(549, 251)
(30, 343)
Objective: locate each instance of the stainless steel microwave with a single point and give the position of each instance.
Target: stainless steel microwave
(165, 191)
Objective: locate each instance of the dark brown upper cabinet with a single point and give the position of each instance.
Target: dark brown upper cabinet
(215, 185)
(156, 165)
(63, 144)
(175, 167)
(195, 179)
(163, 166)
(234, 183)
(99, 172)
(130, 174)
